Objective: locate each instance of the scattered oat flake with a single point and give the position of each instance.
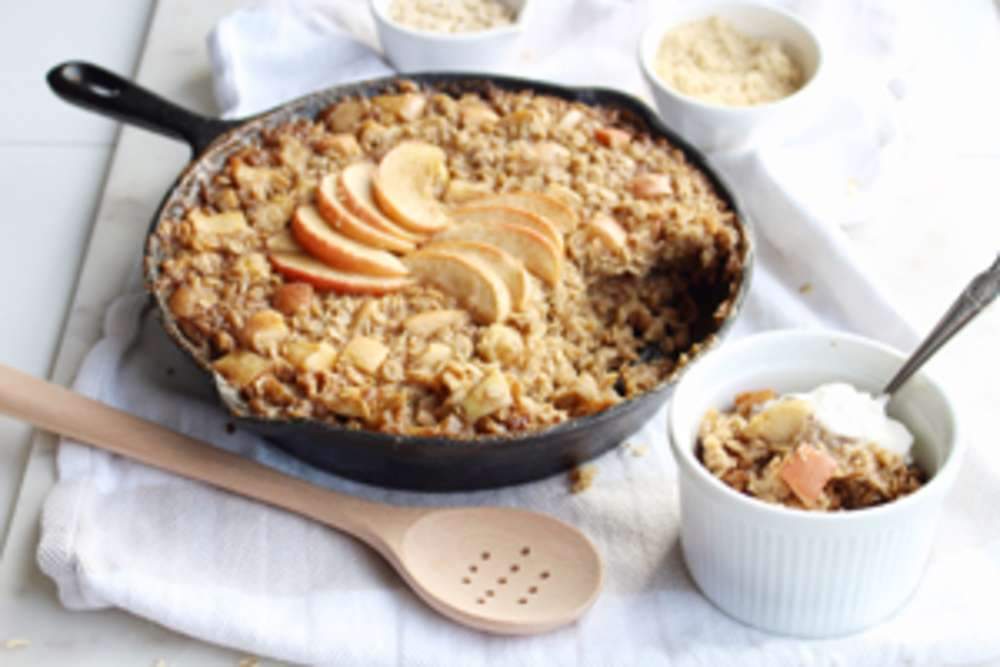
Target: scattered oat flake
(581, 477)
(805, 288)
(248, 662)
(160, 662)
(638, 450)
(16, 643)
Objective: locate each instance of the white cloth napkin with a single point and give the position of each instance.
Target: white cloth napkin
(236, 573)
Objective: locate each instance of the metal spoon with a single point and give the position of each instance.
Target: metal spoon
(501, 570)
(973, 300)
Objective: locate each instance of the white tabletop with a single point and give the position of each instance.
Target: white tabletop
(67, 247)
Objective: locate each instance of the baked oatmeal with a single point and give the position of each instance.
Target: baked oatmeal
(831, 449)
(453, 264)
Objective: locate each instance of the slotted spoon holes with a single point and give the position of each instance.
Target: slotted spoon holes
(501, 568)
(445, 555)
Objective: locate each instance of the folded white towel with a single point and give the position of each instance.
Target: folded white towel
(232, 572)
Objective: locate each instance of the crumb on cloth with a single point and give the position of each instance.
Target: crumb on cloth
(636, 449)
(16, 643)
(581, 478)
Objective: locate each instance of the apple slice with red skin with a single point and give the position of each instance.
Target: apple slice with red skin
(536, 252)
(338, 251)
(553, 210)
(348, 224)
(494, 213)
(508, 269)
(354, 189)
(467, 278)
(407, 183)
(297, 266)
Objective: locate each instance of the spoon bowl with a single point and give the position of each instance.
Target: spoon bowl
(501, 570)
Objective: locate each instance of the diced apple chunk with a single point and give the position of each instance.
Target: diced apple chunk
(609, 232)
(242, 367)
(343, 145)
(649, 186)
(407, 106)
(570, 119)
(435, 355)
(426, 323)
(293, 298)
(365, 353)
(806, 471)
(311, 357)
(263, 330)
(491, 395)
(253, 265)
(476, 115)
(612, 137)
(218, 224)
(501, 343)
(259, 181)
(188, 301)
(781, 422)
(345, 116)
(350, 402)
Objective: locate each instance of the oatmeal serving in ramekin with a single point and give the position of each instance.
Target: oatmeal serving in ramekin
(833, 448)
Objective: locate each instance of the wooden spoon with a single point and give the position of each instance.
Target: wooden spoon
(501, 570)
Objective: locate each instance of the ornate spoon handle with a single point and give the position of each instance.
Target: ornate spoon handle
(973, 300)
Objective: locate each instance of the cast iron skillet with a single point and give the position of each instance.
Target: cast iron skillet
(419, 463)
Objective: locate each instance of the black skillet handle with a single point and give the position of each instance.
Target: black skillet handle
(97, 89)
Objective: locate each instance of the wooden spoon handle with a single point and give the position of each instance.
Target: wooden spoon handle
(62, 411)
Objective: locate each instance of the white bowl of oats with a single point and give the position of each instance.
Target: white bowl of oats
(449, 35)
(732, 76)
(792, 519)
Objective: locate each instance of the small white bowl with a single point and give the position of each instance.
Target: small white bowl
(412, 50)
(714, 127)
(792, 571)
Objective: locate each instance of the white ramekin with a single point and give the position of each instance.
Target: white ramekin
(714, 127)
(791, 571)
(411, 50)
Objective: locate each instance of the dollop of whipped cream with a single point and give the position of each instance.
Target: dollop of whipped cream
(843, 410)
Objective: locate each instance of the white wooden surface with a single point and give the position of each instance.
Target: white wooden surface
(943, 228)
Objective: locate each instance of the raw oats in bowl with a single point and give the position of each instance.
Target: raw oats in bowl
(805, 532)
(455, 35)
(732, 75)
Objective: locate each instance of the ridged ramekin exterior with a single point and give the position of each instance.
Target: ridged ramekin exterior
(791, 571)
(789, 578)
